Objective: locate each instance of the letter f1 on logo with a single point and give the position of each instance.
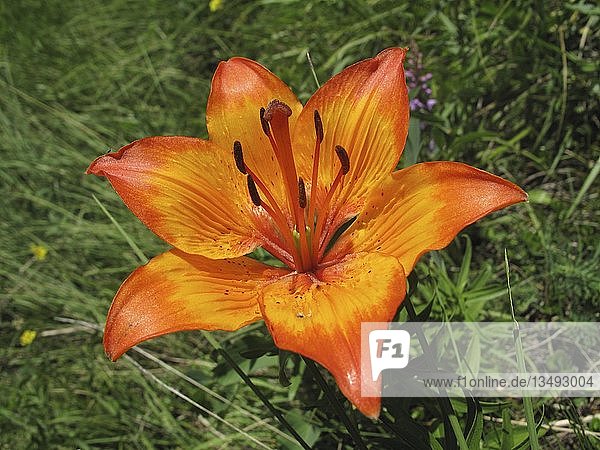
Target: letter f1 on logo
(389, 349)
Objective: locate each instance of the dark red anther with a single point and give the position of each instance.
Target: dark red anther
(318, 126)
(238, 155)
(301, 193)
(264, 123)
(344, 159)
(253, 191)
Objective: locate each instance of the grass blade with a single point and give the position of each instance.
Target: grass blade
(584, 188)
(527, 403)
(138, 252)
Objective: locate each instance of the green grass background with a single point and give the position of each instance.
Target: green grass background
(518, 92)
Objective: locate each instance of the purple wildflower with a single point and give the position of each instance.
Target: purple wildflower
(417, 83)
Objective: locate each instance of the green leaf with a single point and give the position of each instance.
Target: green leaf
(507, 431)
(283, 359)
(539, 197)
(452, 29)
(434, 443)
(473, 356)
(307, 430)
(408, 432)
(254, 346)
(424, 314)
(463, 275)
(412, 148)
(476, 427)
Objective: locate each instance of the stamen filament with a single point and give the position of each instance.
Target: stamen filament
(279, 253)
(306, 256)
(314, 184)
(271, 212)
(255, 196)
(317, 244)
(278, 217)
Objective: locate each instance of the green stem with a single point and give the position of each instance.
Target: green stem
(443, 401)
(255, 389)
(350, 426)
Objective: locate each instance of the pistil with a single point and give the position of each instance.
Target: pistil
(274, 120)
(275, 123)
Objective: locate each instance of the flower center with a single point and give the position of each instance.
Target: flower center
(301, 237)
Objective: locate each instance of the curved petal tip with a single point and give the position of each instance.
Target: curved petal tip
(176, 291)
(369, 406)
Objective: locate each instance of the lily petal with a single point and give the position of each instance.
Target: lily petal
(187, 191)
(365, 109)
(422, 208)
(320, 315)
(176, 291)
(240, 88)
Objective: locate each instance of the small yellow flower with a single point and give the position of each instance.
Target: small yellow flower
(213, 5)
(39, 251)
(27, 337)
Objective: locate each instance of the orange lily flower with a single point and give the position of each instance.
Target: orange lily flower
(277, 175)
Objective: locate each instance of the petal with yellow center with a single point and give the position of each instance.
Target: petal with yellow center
(365, 109)
(422, 208)
(240, 88)
(187, 191)
(319, 316)
(176, 291)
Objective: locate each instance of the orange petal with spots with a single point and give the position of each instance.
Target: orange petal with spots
(422, 208)
(319, 316)
(240, 87)
(176, 291)
(187, 191)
